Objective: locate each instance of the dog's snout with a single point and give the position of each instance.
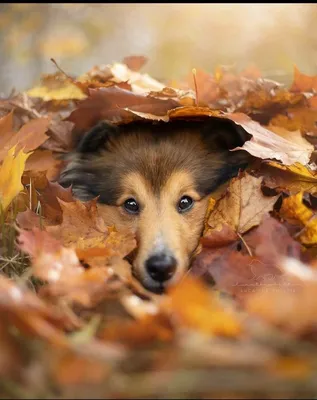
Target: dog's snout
(161, 267)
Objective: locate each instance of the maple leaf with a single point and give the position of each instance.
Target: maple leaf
(294, 210)
(241, 207)
(50, 260)
(29, 137)
(11, 172)
(51, 208)
(81, 225)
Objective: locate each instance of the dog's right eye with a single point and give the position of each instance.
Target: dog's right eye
(131, 206)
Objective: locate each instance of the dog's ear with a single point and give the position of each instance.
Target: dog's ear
(223, 134)
(96, 138)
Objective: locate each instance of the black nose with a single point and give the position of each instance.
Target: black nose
(161, 267)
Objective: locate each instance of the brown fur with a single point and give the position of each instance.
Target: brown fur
(157, 165)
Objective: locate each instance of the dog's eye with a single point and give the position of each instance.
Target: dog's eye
(131, 206)
(185, 204)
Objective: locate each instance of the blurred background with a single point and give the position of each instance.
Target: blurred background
(175, 38)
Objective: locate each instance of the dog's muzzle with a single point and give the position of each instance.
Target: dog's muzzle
(160, 268)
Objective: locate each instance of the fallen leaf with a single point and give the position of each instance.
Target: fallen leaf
(291, 307)
(29, 137)
(241, 207)
(56, 87)
(294, 210)
(51, 209)
(109, 103)
(244, 266)
(302, 82)
(11, 172)
(266, 144)
(198, 308)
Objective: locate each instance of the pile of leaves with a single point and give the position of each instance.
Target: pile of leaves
(242, 323)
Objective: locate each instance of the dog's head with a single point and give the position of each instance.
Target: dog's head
(155, 181)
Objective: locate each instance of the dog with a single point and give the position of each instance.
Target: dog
(155, 179)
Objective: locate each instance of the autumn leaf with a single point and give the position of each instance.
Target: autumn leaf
(297, 306)
(109, 104)
(11, 171)
(241, 207)
(51, 208)
(29, 137)
(294, 210)
(242, 266)
(303, 172)
(6, 124)
(135, 63)
(266, 144)
(297, 118)
(289, 179)
(56, 87)
(31, 315)
(199, 309)
(302, 82)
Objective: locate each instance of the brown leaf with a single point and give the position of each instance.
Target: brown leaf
(30, 315)
(51, 208)
(28, 219)
(235, 270)
(6, 124)
(109, 104)
(297, 118)
(29, 137)
(266, 144)
(81, 226)
(241, 207)
(50, 260)
(135, 63)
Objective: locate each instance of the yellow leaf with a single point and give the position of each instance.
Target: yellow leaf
(11, 172)
(295, 211)
(299, 169)
(57, 87)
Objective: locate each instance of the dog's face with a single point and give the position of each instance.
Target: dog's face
(156, 183)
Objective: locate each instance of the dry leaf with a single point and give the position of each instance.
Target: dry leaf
(241, 207)
(11, 172)
(294, 210)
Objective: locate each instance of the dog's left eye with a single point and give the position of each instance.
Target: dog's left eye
(185, 204)
(131, 206)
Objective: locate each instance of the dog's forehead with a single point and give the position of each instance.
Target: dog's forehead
(137, 184)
